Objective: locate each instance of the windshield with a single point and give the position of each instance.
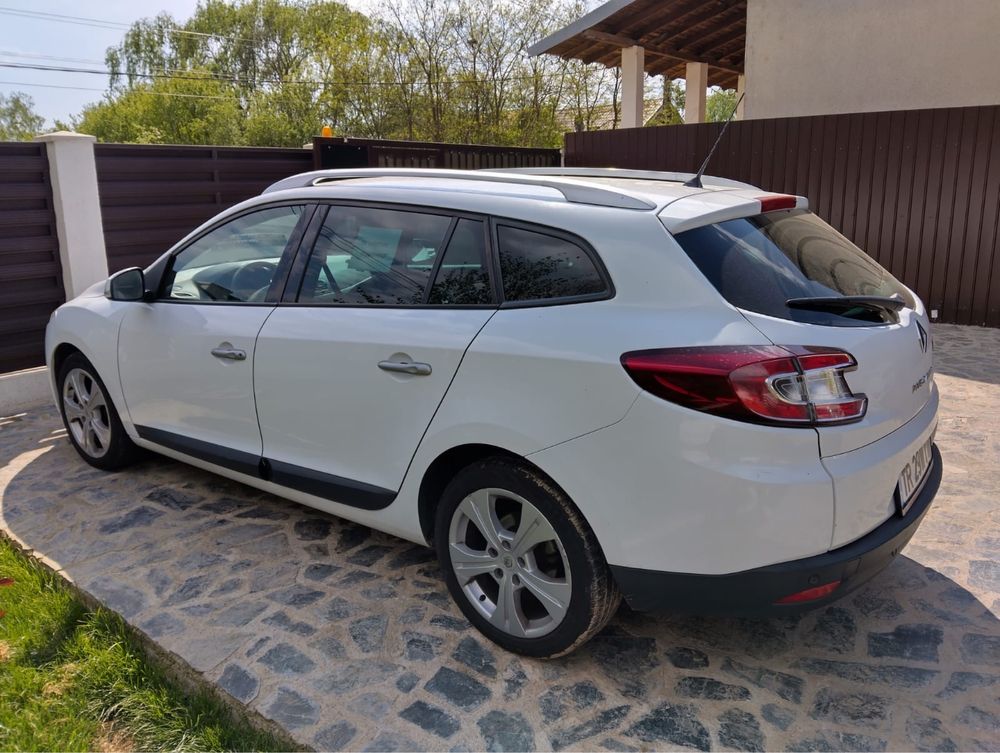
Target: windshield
(759, 263)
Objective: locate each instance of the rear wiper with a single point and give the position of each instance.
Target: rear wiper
(871, 302)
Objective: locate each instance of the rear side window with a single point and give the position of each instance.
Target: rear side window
(758, 263)
(463, 279)
(370, 256)
(536, 266)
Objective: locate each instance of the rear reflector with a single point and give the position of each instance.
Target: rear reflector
(786, 386)
(777, 201)
(810, 594)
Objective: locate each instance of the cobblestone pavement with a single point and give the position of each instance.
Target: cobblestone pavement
(348, 638)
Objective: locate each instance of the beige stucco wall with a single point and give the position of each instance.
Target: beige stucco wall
(815, 57)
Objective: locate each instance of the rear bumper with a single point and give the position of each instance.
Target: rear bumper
(753, 592)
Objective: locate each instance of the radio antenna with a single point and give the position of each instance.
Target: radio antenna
(695, 182)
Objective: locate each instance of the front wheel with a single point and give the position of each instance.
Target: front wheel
(520, 561)
(91, 421)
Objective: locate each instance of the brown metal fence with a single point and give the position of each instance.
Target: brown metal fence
(918, 189)
(351, 152)
(152, 196)
(31, 284)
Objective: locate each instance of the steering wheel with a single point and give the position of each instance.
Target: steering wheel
(250, 278)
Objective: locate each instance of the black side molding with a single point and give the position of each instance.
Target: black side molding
(234, 460)
(334, 488)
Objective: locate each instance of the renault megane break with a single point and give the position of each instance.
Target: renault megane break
(576, 385)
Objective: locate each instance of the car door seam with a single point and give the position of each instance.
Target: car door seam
(253, 381)
(118, 366)
(447, 389)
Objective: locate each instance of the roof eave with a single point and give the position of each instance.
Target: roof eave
(581, 24)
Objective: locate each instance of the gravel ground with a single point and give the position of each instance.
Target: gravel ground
(348, 639)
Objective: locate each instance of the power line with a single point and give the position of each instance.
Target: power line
(37, 56)
(105, 24)
(94, 89)
(209, 76)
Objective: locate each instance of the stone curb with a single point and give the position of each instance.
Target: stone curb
(21, 390)
(173, 667)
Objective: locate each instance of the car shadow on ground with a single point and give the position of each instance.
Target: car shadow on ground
(967, 352)
(348, 638)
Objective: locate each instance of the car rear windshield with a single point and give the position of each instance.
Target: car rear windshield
(759, 263)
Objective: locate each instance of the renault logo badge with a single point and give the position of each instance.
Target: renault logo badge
(922, 334)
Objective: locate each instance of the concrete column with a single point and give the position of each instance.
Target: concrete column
(77, 207)
(695, 92)
(741, 87)
(633, 86)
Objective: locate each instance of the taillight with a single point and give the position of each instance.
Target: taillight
(790, 386)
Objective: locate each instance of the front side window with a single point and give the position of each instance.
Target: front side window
(536, 266)
(235, 262)
(365, 255)
(760, 263)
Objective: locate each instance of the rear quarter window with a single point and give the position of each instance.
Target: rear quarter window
(758, 263)
(538, 266)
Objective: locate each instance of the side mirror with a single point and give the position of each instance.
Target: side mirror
(127, 285)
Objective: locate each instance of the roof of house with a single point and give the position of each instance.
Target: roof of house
(673, 33)
(602, 117)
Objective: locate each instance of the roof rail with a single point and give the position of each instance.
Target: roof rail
(614, 172)
(576, 193)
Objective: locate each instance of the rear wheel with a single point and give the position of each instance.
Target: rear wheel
(520, 561)
(91, 421)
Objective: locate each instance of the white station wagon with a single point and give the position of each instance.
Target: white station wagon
(577, 385)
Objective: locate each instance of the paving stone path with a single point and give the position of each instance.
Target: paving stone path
(348, 639)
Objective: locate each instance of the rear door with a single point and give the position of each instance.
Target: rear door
(758, 263)
(350, 369)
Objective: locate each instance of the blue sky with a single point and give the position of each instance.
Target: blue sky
(23, 40)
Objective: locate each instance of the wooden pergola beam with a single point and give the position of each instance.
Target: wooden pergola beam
(619, 40)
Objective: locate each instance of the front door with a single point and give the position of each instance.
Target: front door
(186, 359)
(349, 373)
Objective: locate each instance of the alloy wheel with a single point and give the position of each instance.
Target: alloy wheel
(86, 409)
(510, 563)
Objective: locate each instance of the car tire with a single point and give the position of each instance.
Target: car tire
(513, 546)
(90, 417)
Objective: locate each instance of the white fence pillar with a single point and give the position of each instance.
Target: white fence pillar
(77, 207)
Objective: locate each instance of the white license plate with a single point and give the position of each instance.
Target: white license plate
(912, 476)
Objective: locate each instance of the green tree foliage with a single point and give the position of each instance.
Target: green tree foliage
(18, 119)
(273, 72)
(720, 104)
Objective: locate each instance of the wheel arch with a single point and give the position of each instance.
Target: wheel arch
(63, 351)
(446, 465)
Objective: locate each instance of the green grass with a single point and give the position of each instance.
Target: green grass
(74, 679)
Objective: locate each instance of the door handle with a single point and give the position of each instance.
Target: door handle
(406, 367)
(231, 354)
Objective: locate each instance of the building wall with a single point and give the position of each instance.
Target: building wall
(819, 57)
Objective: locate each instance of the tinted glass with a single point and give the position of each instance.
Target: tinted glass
(536, 266)
(235, 262)
(758, 263)
(463, 278)
(373, 256)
